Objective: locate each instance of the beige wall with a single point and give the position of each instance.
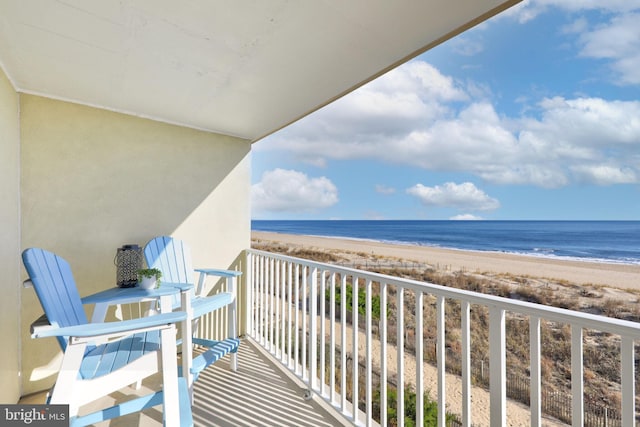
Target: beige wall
(9, 241)
(93, 180)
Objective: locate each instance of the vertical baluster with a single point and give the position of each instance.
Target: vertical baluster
(441, 362)
(419, 315)
(343, 342)
(383, 354)
(354, 310)
(577, 382)
(265, 303)
(536, 374)
(303, 357)
(400, 350)
(313, 327)
(251, 311)
(368, 379)
(627, 366)
(283, 316)
(262, 302)
(321, 319)
(276, 307)
(497, 361)
(256, 297)
(297, 319)
(465, 311)
(332, 338)
(291, 301)
(269, 304)
(243, 295)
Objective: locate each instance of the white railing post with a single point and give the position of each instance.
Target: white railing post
(419, 315)
(465, 324)
(332, 339)
(577, 381)
(303, 357)
(283, 301)
(441, 362)
(356, 360)
(321, 319)
(497, 367)
(343, 343)
(269, 304)
(313, 327)
(368, 354)
(297, 319)
(247, 310)
(383, 354)
(627, 368)
(276, 306)
(290, 304)
(261, 297)
(400, 350)
(536, 373)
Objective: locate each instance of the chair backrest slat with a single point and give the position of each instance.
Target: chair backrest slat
(55, 287)
(172, 257)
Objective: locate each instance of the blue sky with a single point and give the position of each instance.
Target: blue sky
(534, 114)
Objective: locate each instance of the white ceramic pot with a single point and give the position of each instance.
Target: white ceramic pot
(148, 283)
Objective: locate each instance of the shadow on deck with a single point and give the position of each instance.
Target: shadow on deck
(258, 394)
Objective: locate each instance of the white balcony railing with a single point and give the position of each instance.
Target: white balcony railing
(298, 312)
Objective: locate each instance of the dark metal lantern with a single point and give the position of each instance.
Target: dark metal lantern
(128, 261)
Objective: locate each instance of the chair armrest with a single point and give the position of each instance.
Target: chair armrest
(204, 305)
(229, 275)
(108, 328)
(218, 272)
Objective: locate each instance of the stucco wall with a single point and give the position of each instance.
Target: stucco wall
(9, 240)
(93, 180)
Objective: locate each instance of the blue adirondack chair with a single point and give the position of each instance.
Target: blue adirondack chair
(173, 258)
(100, 358)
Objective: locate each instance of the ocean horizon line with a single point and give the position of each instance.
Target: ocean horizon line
(613, 242)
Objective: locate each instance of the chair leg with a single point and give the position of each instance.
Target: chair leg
(233, 332)
(63, 390)
(171, 398)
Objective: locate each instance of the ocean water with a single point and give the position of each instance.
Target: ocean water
(601, 241)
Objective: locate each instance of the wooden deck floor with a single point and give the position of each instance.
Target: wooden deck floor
(258, 394)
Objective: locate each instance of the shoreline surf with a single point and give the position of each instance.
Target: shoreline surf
(620, 275)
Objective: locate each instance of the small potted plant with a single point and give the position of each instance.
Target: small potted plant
(149, 278)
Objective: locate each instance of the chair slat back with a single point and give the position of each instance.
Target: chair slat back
(55, 287)
(172, 257)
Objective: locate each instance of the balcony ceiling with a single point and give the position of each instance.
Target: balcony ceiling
(242, 68)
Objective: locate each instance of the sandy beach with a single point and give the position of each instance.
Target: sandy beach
(625, 276)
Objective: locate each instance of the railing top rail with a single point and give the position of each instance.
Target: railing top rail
(586, 320)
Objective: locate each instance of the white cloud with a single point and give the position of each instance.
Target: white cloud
(461, 196)
(606, 175)
(356, 125)
(528, 10)
(619, 41)
(467, 46)
(437, 127)
(611, 6)
(383, 189)
(578, 26)
(292, 191)
(466, 217)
